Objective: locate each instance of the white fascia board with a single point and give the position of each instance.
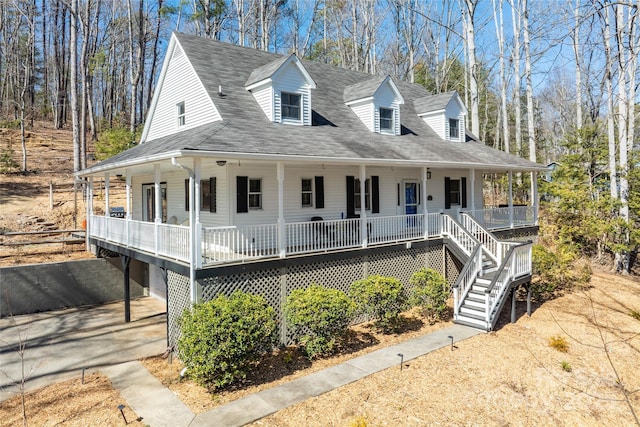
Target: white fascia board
(432, 113)
(222, 155)
(257, 85)
(359, 101)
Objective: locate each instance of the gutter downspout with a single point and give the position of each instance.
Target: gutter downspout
(192, 230)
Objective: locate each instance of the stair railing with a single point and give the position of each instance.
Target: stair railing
(466, 278)
(458, 234)
(516, 263)
(471, 247)
(494, 247)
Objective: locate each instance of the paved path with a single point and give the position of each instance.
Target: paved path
(159, 407)
(59, 344)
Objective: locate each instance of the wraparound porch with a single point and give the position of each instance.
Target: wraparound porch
(220, 245)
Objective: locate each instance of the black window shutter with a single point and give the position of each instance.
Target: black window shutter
(212, 194)
(447, 192)
(398, 191)
(242, 194)
(463, 191)
(186, 195)
(375, 194)
(351, 206)
(319, 192)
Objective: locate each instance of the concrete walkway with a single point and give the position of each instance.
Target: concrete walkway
(159, 407)
(59, 344)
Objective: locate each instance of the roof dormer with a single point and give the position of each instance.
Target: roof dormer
(445, 113)
(282, 88)
(377, 103)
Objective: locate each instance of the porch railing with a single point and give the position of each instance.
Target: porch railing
(466, 278)
(171, 241)
(505, 217)
(240, 243)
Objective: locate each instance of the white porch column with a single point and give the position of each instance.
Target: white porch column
(197, 245)
(510, 199)
(534, 196)
(157, 207)
(363, 207)
(106, 194)
(423, 195)
(472, 182)
(128, 203)
(89, 212)
(282, 242)
(158, 193)
(106, 203)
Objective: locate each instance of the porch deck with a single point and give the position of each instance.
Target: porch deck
(220, 245)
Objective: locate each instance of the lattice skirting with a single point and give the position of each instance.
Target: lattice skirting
(274, 284)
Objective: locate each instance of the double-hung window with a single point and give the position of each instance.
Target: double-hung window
(255, 193)
(290, 106)
(207, 194)
(181, 112)
(356, 194)
(307, 192)
(386, 119)
(454, 128)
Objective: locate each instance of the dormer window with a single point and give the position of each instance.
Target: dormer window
(291, 106)
(386, 119)
(282, 88)
(454, 128)
(376, 102)
(181, 114)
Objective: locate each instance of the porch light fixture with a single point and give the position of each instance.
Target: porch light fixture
(221, 162)
(428, 174)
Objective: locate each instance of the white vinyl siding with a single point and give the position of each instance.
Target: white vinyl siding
(264, 98)
(291, 80)
(180, 84)
(437, 123)
(365, 113)
(453, 112)
(386, 98)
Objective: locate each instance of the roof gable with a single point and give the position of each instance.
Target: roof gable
(367, 89)
(269, 72)
(432, 104)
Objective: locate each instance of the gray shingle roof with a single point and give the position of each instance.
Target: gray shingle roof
(337, 133)
(363, 89)
(266, 71)
(431, 103)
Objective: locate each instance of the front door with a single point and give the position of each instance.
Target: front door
(149, 202)
(410, 197)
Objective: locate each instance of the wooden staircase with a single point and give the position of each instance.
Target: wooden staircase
(491, 271)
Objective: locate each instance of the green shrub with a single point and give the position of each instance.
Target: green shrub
(556, 270)
(382, 298)
(566, 366)
(317, 316)
(220, 338)
(430, 292)
(7, 164)
(113, 141)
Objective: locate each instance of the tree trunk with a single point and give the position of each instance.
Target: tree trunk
(469, 12)
(527, 71)
(613, 170)
(73, 61)
(499, 23)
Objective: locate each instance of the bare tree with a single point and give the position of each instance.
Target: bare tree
(499, 24)
(468, 12)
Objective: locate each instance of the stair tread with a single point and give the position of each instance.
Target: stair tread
(472, 316)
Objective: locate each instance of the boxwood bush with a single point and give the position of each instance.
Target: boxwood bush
(382, 298)
(222, 337)
(430, 292)
(318, 316)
